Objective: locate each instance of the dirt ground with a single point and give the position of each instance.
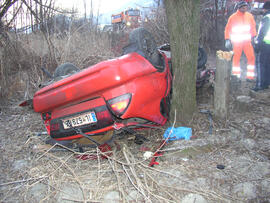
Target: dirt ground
(225, 161)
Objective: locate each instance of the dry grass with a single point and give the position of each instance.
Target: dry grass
(157, 25)
(54, 174)
(23, 55)
(30, 174)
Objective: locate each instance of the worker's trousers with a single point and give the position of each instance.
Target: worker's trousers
(238, 48)
(263, 68)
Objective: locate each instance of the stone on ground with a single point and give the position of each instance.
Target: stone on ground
(193, 198)
(37, 192)
(246, 190)
(112, 197)
(69, 192)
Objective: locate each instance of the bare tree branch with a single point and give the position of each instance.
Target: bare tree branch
(31, 10)
(5, 7)
(54, 9)
(13, 17)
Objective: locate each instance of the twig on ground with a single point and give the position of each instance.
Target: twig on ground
(70, 169)
(139, 186)
(22, 181)
(113, 165)
(165, 141)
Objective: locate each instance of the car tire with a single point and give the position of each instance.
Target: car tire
(202, 58)
(65, 69)
(142, 42)
(145, 41)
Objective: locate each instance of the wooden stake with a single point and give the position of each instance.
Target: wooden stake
(222, 84)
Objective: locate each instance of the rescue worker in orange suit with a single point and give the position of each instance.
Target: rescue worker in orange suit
(239, 33)
(262, 48)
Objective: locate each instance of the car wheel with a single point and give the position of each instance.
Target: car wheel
(142, 42)
(202, 58)
(65, 69)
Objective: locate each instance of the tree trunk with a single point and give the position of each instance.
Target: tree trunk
(183, 24)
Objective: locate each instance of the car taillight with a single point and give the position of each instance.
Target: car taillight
(118, 105)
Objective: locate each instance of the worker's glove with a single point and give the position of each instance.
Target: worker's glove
(255, 45)
(228, 45)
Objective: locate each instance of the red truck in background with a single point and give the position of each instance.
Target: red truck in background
(130, 18)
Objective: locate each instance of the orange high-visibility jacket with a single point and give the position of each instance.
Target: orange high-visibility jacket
(241, 27)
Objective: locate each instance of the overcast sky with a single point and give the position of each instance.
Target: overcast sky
(103, 5)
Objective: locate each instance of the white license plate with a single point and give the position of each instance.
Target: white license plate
(83, 119)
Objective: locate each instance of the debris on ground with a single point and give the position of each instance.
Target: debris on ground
(173, 133)
(232, 164)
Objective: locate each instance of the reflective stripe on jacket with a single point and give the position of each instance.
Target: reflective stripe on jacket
(266, 38)
(241, 27)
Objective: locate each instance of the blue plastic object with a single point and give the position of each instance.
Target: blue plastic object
(178, 133)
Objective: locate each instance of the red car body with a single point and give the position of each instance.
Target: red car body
(124, 92)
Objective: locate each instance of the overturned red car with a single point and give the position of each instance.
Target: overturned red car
(132, 91)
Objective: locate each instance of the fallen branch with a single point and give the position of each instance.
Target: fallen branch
(132, 169)
(21, 181)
